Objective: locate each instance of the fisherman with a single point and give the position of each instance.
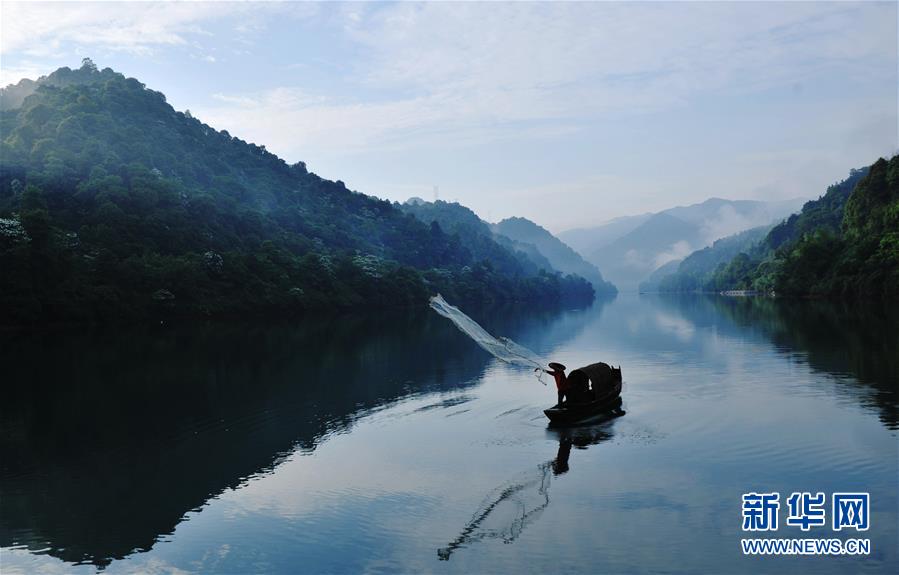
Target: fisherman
(558, 373)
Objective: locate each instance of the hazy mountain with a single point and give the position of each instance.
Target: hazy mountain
(651, 284)
(671, 235)
(115, 205)
(588, 240)
(695, 271)
(655, 242)
(561, 256)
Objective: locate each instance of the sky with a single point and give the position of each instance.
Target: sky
(569, 114)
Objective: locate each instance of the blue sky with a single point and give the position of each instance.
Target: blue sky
(566, 113)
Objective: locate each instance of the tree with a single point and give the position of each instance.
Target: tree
(126, 198)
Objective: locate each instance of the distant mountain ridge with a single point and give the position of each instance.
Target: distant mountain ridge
(629, 250)
(533, 246)
(588, 240)
(560, 255)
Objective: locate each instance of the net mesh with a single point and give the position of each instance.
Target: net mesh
(502, 348)
(506, 511)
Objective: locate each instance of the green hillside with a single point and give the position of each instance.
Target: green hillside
(846, 243)
(525, 246)
(475, 235)
(506, 255)
(14, 95)
(561, 256)
(697, 272)
(114, 205)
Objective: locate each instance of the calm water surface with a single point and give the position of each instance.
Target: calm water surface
(391, 443)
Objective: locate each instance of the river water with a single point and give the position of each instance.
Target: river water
(392, 443)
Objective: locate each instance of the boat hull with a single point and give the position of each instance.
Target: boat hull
(579, 412)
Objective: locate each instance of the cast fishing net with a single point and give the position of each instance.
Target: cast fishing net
(502, 348)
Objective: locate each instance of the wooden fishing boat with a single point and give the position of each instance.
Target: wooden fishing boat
(606, 383)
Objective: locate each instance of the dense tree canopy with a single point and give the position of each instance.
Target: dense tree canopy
(703, 269)
(113, 204)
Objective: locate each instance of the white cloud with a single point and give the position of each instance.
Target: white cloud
(681, 327)
(544, 57)
(677, 251)
(291, 121)
(42, 28)
(483, 71)
(728, 221)
(429, 83)
(245, 101)
(35, 28)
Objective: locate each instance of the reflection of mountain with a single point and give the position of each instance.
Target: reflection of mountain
(109, 439)
(837, 338)
(510, 508)
(542, 330)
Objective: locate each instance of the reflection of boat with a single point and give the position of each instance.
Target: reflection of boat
(582, 436)
(606, 393)
(511, 507)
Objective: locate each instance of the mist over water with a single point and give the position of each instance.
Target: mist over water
(393, 443)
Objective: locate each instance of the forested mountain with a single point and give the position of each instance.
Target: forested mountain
(474, 234)
(648, 242)
(114, 205)
(697, 271)
(561, 256)
(824, 213)
(507, 255)
(844, 243)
